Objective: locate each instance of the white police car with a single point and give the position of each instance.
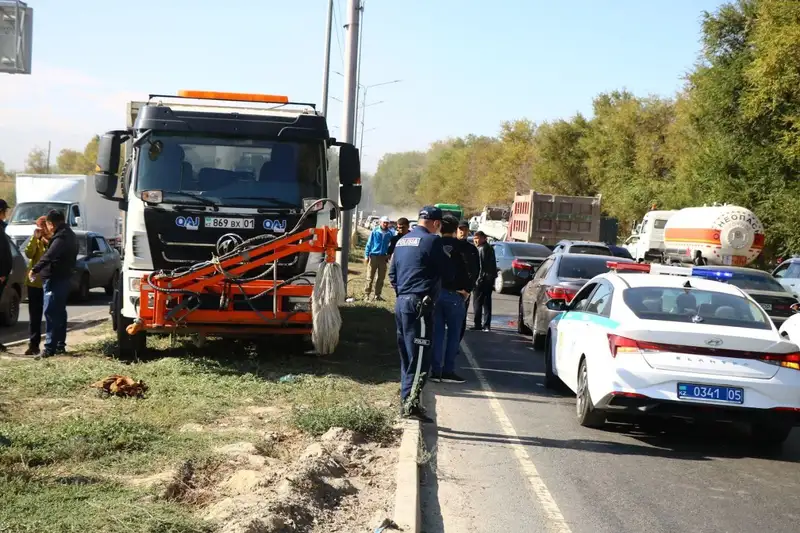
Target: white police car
(635, 343)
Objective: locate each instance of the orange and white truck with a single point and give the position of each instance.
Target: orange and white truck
(724, 235)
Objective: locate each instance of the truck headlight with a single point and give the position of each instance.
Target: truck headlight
(298, 303)
(136, 285)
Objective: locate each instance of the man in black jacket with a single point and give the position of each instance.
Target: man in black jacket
(55, 268)
(473, 262)
(482, 305)
(6, 261)
(449, 312)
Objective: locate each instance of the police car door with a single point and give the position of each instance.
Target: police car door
(570, 328)
(595, 324)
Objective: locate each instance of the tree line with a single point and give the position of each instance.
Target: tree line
(731, 134)
(67, 161)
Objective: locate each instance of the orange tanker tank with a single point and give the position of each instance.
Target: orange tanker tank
(724, 234)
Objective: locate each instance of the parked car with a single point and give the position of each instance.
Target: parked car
(619, 251)
(582, 247)
(98, 265)
(774, 298)
(788, 275)
(516, 262)
(560, 277)
(15, 291)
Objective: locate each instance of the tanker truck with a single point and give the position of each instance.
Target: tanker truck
(724, 235)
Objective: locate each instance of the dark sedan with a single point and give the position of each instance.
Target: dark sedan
(98, 265)
(15, 290)
(560, 277)
(773, 297)
(516, 262)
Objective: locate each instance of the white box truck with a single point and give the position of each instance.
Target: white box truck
(74, 194)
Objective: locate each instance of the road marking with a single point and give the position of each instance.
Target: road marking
(540, 490)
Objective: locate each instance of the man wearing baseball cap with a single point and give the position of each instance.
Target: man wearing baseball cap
(376, 256)
(419, 265)
(473, 262)
(5, 252)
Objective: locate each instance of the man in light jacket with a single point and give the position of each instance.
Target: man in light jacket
(376, 255)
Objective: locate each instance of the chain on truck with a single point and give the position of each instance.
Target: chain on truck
(229, 227)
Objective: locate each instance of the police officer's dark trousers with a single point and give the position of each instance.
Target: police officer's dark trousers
(414, 335)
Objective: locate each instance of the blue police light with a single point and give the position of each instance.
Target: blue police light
(711, 273)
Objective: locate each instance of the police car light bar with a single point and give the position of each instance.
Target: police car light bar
(710, 273)
(667, 270)
(628, 267)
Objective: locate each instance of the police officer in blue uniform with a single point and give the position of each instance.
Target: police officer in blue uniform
(418, 267)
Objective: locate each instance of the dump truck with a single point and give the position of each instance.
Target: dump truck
(229, 216)
(549, 218)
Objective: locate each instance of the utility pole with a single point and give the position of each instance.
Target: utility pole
(326, 71)
(358, 75)
(348, 120)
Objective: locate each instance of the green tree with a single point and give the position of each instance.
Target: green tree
(37, 163)
(559, 163)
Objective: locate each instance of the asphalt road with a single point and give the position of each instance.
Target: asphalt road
(506, 455)
(79, 314)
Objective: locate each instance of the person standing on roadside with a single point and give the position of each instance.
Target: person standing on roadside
(55, 269)
(37, 245)
(376, 256)
(6, 260)
(473, 264)
(402, 229)
(450, 310)
(418, 269)
(482, 305)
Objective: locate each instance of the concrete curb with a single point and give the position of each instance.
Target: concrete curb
(407, 512)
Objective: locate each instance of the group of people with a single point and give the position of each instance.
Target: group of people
(435, 271)
(52, 252)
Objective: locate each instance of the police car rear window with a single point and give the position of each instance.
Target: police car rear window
(694, 306)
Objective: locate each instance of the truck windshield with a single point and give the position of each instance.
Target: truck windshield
(27, 213)
(239, 172)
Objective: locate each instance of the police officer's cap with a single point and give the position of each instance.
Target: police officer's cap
(430, 212)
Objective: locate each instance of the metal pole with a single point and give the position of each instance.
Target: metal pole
(358, 75)
(348, 120)
(326, 71)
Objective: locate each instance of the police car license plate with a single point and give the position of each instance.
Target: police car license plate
(230, 223)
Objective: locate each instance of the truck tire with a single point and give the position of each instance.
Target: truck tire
(129, 347)
(112, 283)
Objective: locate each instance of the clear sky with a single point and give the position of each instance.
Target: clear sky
(465, 67)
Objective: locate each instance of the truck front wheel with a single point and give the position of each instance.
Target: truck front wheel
(129, 347)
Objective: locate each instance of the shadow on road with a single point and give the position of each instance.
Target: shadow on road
(694, 447)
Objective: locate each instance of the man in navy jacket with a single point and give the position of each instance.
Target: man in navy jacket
(419, 265)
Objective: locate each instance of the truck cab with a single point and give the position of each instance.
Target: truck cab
(204, 172)
(646, 242)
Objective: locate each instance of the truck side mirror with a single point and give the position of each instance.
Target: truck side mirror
(350, 196)
(106, 179)
(349, 165)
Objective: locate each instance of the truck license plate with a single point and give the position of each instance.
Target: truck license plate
(229, 223)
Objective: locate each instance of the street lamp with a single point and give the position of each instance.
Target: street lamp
(365, 88)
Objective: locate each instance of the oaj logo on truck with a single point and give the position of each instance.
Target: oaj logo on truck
(278, 226)
(190, 223)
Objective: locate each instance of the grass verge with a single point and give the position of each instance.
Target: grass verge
(68, 454)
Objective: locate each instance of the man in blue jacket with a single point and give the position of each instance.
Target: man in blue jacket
(419, 265)
(376, 256)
